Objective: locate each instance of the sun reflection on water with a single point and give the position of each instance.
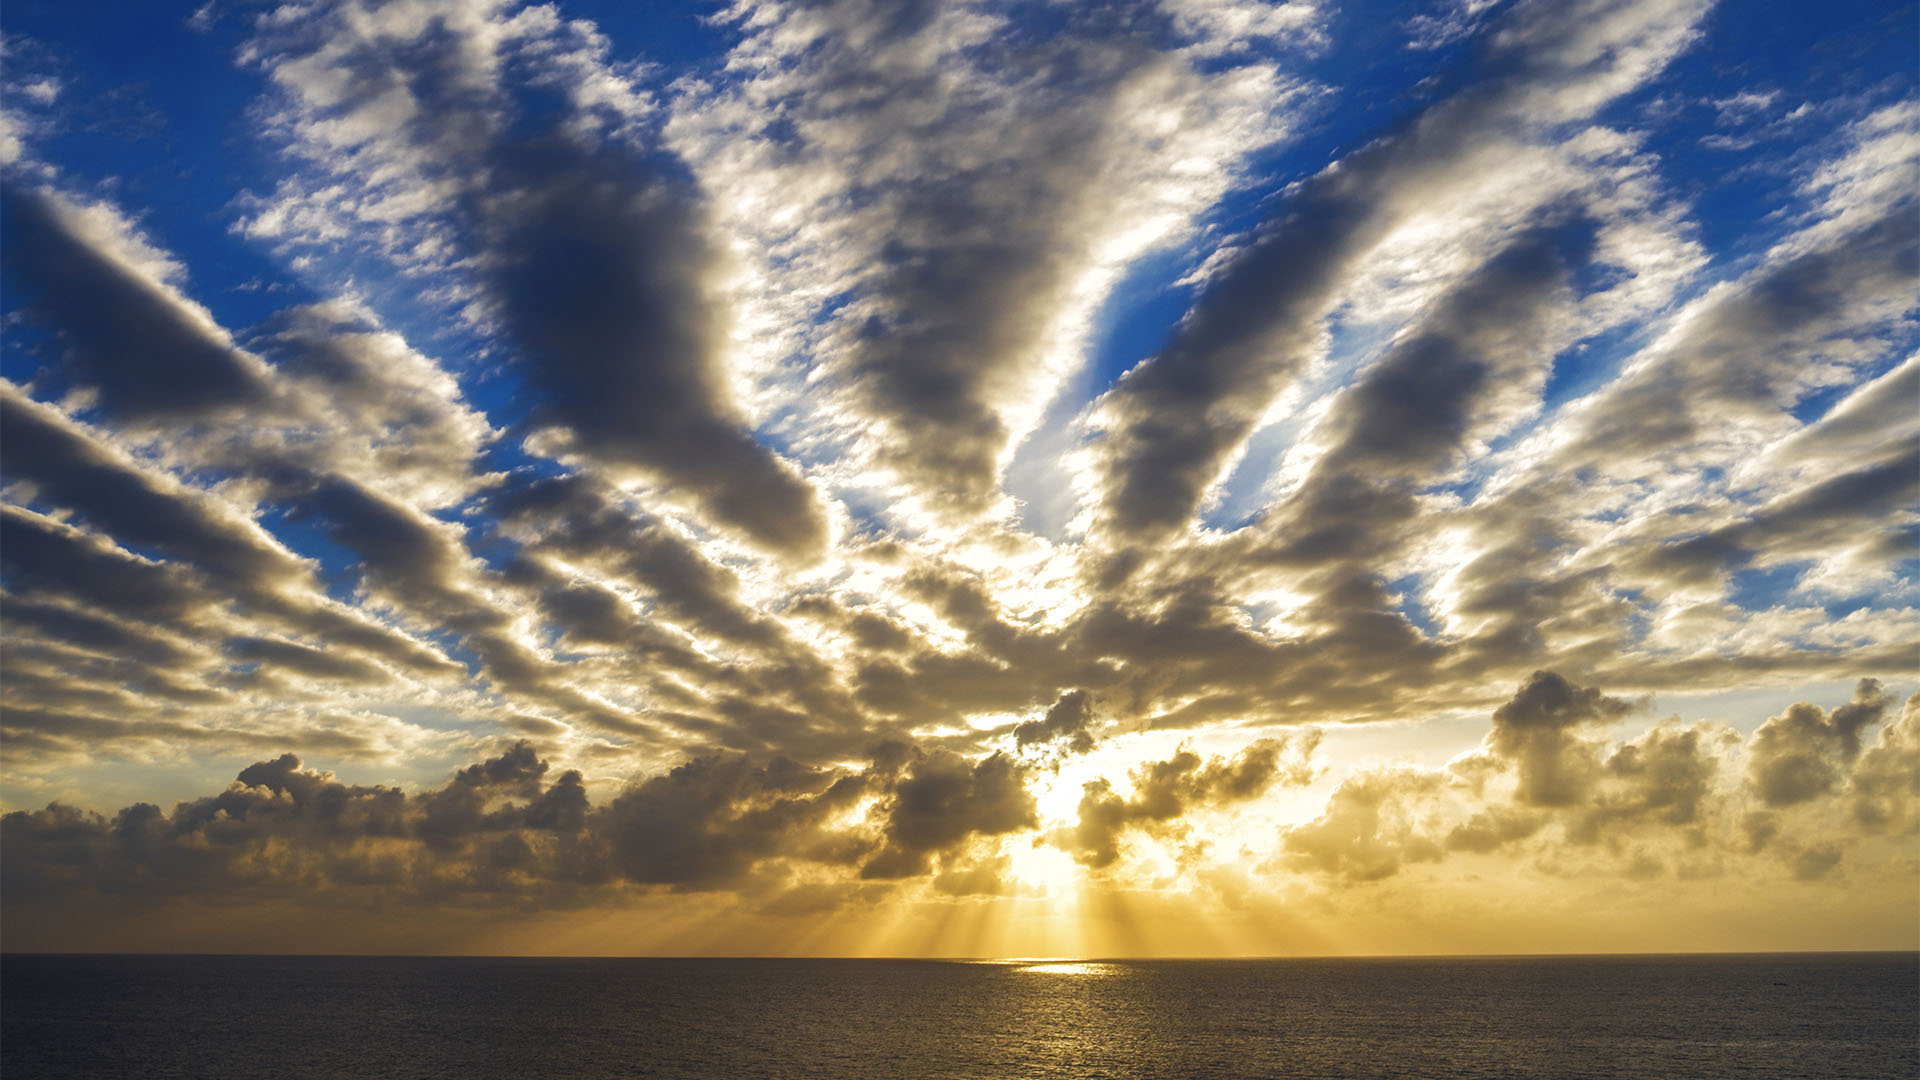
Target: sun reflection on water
(1063, 967)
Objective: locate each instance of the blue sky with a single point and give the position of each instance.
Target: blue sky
(992, 397)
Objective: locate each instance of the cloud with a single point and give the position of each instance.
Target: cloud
(150, 354)
(940, 801)
(69, 468)
(599, 283)
(1065, 719)
(1636, 804)
(938, 196)
(1802, 753)
(1664, 778)
(1886, 781)
(1538, 731)
(709, 821)
(369, 406)
(500, 828)
(1471, 366)
(1368, 830)
(1166, 791)
(884, 458)
(591, 254)
(1376, 821)
(1870, 419)
(1802, 315)
(1171, 426)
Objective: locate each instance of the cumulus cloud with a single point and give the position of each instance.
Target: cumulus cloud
(1538, 731)
(1066, 719)
(1802, 753)
(940, 801)
(1370, 828)
(1885, 785)
(1166, 791)
(501, 828)
(506, 830)
(1668, 794)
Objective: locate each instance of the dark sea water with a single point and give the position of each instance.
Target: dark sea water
(211, 1017)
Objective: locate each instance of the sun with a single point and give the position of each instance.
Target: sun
(1044, 869)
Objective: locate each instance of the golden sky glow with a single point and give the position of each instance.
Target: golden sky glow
(1177, 479)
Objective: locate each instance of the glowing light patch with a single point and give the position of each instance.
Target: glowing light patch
(1066, 967)
(1045, 868)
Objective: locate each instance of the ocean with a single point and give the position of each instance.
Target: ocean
(205, 1017)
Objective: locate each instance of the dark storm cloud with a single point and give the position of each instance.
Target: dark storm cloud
(149, 356)
(1166, 791)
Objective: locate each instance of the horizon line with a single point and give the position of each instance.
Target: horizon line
(8, 954)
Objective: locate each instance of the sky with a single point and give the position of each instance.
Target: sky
(960, 477)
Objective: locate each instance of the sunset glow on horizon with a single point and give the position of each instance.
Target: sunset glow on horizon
(1020, 481)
